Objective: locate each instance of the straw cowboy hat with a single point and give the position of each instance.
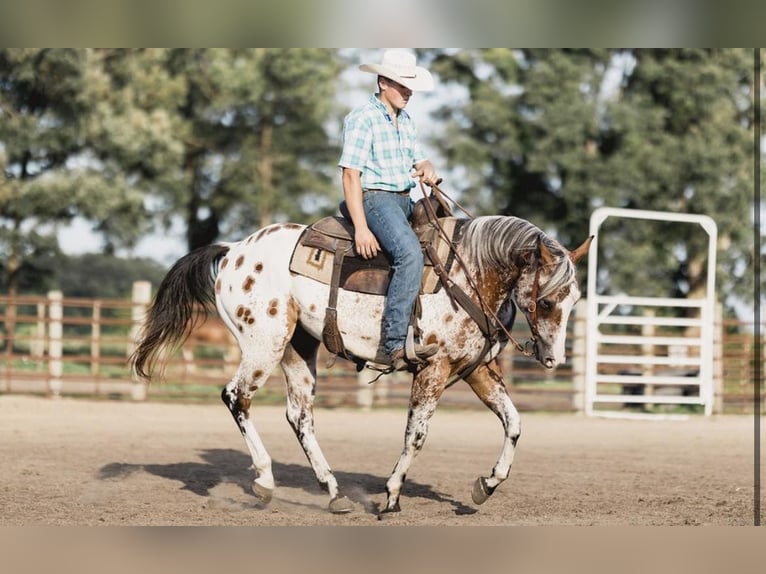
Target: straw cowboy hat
(399, 66)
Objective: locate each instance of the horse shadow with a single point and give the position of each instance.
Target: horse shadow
(229, 466)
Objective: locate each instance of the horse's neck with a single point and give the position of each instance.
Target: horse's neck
(494, 284)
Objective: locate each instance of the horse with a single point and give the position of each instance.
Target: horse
(277, 318)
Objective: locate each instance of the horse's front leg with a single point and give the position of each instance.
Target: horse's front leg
(427, 388)
(488, 385)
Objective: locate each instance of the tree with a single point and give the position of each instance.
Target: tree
(682, 137)
(250, 126)
(95, 275)
(543, 135)
(528, 133)
(131, 139)
(46, 176)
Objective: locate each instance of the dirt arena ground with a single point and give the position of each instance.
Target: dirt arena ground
(77, 462)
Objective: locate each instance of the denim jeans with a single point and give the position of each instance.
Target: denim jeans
(387, 217)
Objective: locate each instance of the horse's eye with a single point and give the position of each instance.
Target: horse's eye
(546, 304)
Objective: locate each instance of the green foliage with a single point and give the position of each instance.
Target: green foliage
(129, 140)
(228, 140)
(544, 136)
(103, 276)
(682, 128)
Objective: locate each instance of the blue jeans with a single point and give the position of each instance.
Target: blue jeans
(387, 217)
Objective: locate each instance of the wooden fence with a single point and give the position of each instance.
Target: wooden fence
(58, 346)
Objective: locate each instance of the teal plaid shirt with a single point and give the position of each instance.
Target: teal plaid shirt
(372, 145)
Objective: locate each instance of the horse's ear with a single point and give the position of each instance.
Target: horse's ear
(581, 251)
(546, 256)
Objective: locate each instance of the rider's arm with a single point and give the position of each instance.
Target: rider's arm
(366, 244)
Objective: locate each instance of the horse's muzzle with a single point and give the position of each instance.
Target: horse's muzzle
(544, 359)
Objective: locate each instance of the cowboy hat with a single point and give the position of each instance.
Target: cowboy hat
(399, 66)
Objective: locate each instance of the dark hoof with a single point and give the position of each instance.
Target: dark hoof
(389, 512)
(481, 492)
(262, 493)
(341, 505)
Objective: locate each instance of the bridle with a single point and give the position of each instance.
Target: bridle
(532, 307)
(529, 348)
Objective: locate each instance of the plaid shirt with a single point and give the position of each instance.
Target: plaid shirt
(372, 145)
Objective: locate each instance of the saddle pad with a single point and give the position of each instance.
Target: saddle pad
(314, 255)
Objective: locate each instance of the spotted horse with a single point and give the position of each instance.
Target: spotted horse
(277, 318)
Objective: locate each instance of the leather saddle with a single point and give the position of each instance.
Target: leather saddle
(326, 253)
(329, 243)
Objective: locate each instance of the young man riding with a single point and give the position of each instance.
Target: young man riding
(380, 160)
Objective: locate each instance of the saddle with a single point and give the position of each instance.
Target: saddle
(326, 253)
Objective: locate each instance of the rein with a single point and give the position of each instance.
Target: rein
(489, 330)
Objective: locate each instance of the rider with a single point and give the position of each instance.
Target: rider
(380, 159)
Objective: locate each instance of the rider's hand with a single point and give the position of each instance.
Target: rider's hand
(426, 173)
(366, 244)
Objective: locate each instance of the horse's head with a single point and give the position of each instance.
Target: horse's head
(545, 292)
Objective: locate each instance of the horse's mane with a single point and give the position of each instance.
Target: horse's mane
(493, 241)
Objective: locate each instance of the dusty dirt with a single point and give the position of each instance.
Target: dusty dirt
(77, 462)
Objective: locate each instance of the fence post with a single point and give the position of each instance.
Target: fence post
(37, 346)
(141, 298)
(364, 391)
(95, 339)
(578, 355)
(647, 350)
(718, 360)
(55, 342)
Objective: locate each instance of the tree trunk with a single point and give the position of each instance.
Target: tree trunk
(12, 266)
(201, 231)
(266, 173)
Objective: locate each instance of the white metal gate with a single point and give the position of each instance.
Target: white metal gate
(667, 368)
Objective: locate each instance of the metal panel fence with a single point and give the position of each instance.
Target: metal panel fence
(59, 346)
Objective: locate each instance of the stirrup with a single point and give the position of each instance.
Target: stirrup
(411, 354)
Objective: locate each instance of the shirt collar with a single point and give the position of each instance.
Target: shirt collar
(382, 107)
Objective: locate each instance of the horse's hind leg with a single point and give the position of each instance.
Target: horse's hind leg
(488, 385)
(237, 396)
(299, 366)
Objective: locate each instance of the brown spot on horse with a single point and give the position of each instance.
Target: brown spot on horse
(238, 262)
(248, 284)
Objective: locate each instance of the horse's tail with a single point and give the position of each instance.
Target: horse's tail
(184, 296)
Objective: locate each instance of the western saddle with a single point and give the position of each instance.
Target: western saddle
(326, 252)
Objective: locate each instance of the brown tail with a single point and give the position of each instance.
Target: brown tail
(185, 294)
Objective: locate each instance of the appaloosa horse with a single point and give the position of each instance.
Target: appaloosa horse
(277, 317)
